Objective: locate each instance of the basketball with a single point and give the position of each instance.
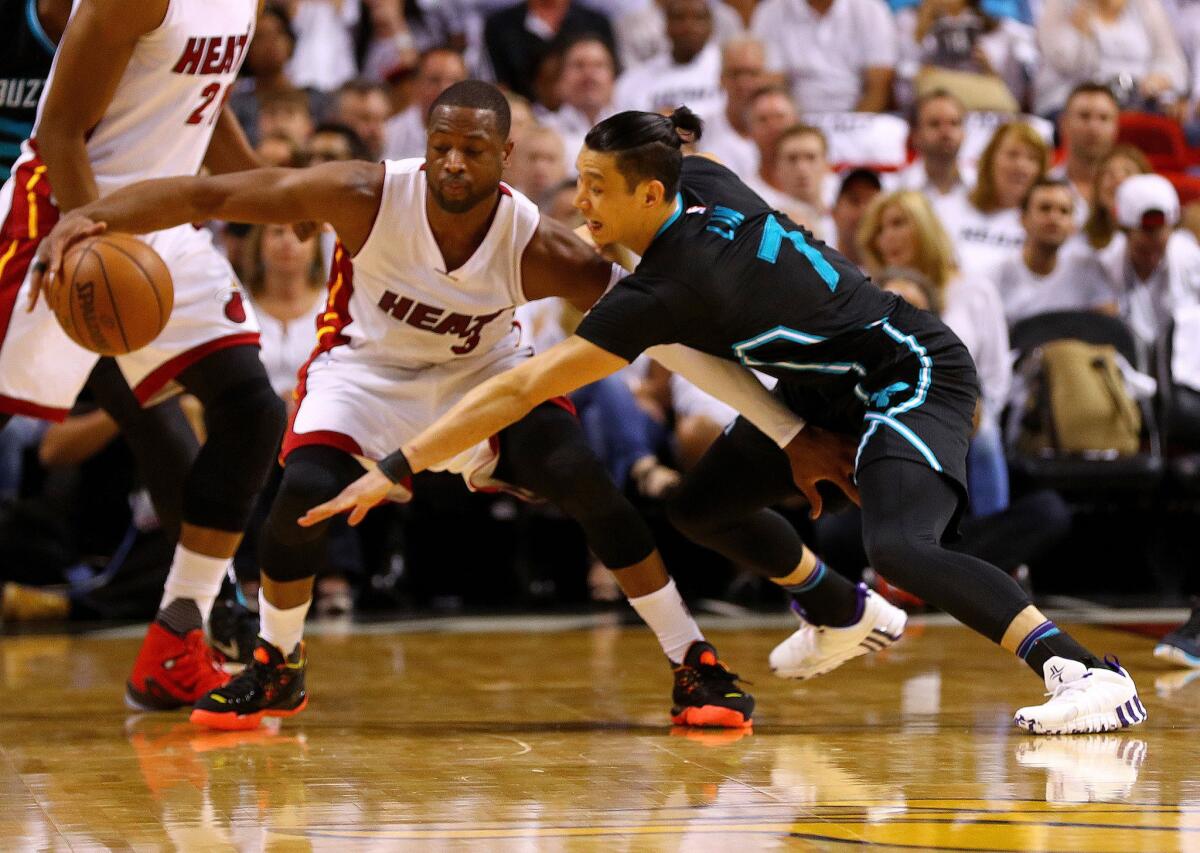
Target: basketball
(115, 294)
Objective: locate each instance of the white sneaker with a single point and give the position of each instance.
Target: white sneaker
(815, 650)
(1083, 700)
(1086, 769)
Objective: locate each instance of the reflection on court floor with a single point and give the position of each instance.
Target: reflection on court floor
(556, 739)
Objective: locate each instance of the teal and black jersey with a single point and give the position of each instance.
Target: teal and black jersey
(25, 56)
(729, 276)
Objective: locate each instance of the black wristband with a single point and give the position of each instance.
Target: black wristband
(395, 467)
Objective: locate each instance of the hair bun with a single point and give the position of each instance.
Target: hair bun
(687, 125)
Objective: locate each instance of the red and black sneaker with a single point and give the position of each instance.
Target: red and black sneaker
(271, 685)
(707, 694)
(172, 670)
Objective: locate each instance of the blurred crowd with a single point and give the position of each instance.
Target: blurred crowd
(992, 161)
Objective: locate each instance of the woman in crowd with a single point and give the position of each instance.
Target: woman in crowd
(985, 227)
(900, 229)
(1126, 43)
(1100, 234)
(285, 278)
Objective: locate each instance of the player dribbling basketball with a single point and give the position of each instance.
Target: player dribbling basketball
(137, 90)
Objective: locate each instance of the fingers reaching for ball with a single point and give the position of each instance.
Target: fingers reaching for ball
(47, 263)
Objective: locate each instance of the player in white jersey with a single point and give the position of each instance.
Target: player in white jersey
(137, 90)
(433, 256)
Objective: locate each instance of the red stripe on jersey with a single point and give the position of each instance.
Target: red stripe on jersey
(334, 317)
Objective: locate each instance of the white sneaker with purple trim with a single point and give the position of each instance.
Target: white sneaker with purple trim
(1083, 700)
(815, 650)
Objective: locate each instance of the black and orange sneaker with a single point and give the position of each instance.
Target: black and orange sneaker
(706, 692)
(175, 665)
(270, 686)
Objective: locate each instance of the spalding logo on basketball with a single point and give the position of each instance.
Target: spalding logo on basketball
(115, 294)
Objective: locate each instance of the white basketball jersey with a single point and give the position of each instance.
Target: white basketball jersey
(395, 304)
(167, 102)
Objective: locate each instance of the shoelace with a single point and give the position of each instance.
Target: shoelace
(1069, 687)
(718, 671)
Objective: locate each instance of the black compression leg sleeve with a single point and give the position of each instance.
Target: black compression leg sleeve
(547, 453)
(244, 419)
(722, 503)
(160, 438)
(906, 507)
(311, 475)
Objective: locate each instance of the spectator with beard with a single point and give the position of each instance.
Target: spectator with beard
(937, 138)
(1088, 127)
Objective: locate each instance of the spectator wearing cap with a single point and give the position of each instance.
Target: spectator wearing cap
(404, 133)
(1160, 273)
(937, 138)
(586, 87)
(1128, 44)
(518, 38)
(1088, 127)
(642, 34)
(1035, 280)
(836, 55)
(688, 72)
(986, 226)
(858, 189)
(727, 130)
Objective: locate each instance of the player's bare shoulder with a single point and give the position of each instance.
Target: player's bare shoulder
(557, 262)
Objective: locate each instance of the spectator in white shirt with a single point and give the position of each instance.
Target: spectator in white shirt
(802, 172)
(438, 70)
(538, 163)
(858, 189)
(772, 113)
(837, 55)
(324, 54)
(1160, 272)
(1100, 235)
(727, 130)
(1108, 41)
(364, 106)
(642, 34)
(1088, 126)
(937, 137)
(586, 87)
(986, 227)
(687, 73)
(1038, 280)
(900, 229)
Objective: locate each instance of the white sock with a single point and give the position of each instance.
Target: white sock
(281, 628)
(195, 576)
(668, 617)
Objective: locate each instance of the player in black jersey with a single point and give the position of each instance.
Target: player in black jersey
(725, 274)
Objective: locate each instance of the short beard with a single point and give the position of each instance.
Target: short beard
(458, 205)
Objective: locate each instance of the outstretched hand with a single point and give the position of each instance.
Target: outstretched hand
(47, 263)
(816, 454)
(358, 498)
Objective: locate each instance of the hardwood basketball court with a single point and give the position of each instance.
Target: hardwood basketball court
(552, 734)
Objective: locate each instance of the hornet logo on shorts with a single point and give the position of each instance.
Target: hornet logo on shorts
(881, 399)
